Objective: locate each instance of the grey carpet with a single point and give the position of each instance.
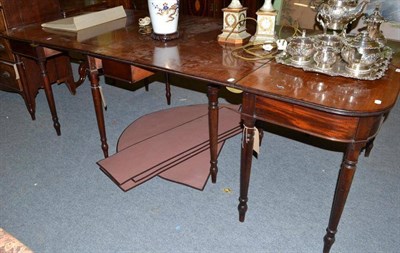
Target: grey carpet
(55, 199)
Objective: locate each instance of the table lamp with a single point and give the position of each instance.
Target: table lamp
(234, 26)
(266, 17)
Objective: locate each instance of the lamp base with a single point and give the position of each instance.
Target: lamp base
(234, 38)
(234, 27)
(262, 39)
(265, 27)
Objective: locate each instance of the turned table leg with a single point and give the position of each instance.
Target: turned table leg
(167, 89)
(49, 95)
(97, 101)
(346, 174)
(245, 165)
(213, 129)
(246, 158)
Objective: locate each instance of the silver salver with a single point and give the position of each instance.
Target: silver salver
(339, 67)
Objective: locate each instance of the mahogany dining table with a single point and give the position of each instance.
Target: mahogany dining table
(338, 109)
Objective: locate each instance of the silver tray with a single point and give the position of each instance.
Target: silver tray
(339, 68)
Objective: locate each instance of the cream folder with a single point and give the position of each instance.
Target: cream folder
(86, 20)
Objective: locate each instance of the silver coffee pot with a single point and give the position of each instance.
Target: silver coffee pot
(374, 22)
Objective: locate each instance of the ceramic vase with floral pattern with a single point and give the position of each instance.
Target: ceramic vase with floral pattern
(164, 16)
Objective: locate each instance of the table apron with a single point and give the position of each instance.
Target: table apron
(314, 122)
(32, 51)
(123, 71)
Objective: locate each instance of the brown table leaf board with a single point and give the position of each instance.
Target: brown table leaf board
(172, 143)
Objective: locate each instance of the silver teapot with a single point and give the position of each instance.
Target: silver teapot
(337, 14)
(361, 53)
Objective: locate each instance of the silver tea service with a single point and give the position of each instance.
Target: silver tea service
(363, 56)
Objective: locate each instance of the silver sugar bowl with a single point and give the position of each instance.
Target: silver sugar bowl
(325, 57)
(301, 49)
(361, 52)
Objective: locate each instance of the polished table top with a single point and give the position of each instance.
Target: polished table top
(339, 95)
(198, 55)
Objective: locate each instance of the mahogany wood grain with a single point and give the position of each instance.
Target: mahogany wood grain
(5, 50)
(343, 96)
(213, 128)
(127, 4)
(246, 157)
(300, 118)
(167, 88)
(74, 7)
(124, 72)
(97, 101)
(196, 7)
(28, 98)
(49, 94)
(196, 53)
(22, 12)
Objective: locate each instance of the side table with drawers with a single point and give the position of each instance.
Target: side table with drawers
(15, 13)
